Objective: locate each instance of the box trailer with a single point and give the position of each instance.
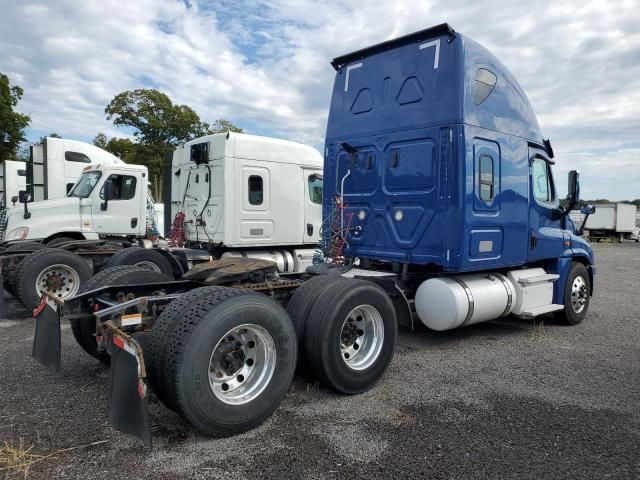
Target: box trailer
(616, 221)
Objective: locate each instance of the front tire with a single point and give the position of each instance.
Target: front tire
(577, 294)
(350, 335)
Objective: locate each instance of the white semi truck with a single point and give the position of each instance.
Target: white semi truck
(228, 195)
(53, 168)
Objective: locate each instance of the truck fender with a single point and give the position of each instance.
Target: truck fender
(396, 289)
(563, 266)
(582, 256)
(178, 263)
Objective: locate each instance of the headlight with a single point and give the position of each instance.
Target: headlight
(17, 234)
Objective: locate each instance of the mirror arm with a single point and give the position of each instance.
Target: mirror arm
(27, 213)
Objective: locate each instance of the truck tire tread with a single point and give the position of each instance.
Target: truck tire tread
(133, 255)
(299, 308)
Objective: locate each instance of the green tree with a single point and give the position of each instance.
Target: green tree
(100, 140)
(156, 120)
(12, 123)
(120, 147)
(221, 125)
(159, 126)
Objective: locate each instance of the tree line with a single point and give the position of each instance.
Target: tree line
(157, 124)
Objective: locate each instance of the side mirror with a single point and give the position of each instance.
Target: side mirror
(14, 200)
(588, 209)
(109, 194)
(574, 189)
(22, 173)
(25, 198)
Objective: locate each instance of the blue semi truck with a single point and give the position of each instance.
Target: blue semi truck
(440, 208)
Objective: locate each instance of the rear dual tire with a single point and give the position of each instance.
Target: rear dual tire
(348, 328)
(9, 278)
(226, 362)
(58, 272)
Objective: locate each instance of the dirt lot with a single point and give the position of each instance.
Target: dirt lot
(507, 399)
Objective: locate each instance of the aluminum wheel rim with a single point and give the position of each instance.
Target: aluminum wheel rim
(59, 280)
(242, 364)
(147, 265)
(579, 294)
(361, 337)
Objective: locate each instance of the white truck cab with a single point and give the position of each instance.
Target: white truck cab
(107, 199)
(240, 195)
(248, 195)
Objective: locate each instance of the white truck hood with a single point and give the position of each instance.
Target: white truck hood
(47, 218)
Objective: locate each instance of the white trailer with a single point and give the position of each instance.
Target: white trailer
(612, 220)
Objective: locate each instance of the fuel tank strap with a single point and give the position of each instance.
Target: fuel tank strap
(469, 298)
(507, 287)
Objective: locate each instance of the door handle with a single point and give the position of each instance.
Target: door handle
(134, 222)
(534, 241)
(309, 229)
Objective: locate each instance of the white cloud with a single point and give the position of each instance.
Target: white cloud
(264, 64)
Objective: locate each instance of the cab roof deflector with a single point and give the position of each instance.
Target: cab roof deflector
(442, 29)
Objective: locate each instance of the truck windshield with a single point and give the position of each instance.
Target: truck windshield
(85, 184)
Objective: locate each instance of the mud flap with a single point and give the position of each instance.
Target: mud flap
(129, 404)
(46, 341)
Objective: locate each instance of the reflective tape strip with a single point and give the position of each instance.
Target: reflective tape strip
(469, 298)
(124, 346)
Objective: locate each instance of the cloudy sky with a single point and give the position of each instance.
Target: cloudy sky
(265, 65)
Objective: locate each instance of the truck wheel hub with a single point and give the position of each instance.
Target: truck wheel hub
(579, 294)
(361, 337)
(60, 280)
(242, 364)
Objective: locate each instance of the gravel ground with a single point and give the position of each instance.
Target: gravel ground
(502, 399)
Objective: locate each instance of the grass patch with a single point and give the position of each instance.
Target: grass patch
(18, 459)
(538, 332)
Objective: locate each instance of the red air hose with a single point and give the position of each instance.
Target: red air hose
(177, 236)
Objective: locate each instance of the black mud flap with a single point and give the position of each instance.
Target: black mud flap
(46, 341)
(129, 405)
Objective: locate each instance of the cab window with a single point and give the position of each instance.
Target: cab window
(486, 177)
(256, 191)
(315, 188)
(541, 178)
(124, 187)
(84, 186)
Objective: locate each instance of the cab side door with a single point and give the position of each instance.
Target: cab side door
(546, 237)
(312, 205)
(125, 213)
